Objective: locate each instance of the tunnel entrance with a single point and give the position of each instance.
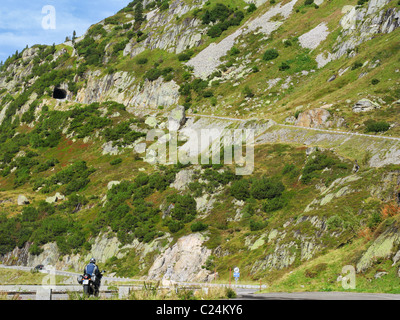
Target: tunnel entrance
(59, 94)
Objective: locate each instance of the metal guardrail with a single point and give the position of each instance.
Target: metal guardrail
(49, 293)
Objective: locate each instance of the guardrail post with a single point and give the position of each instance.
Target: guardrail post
(43, 293)
(123, 292)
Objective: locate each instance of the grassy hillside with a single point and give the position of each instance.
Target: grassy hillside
(294, 223)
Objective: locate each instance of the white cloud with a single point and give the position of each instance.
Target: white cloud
(21, 21)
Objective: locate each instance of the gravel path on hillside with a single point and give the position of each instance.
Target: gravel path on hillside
(208, 60)
(314, 37)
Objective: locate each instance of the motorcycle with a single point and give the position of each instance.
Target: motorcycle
(91, 285)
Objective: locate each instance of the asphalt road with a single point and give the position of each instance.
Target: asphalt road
(317, 296)
(244, 292)
(349, 133)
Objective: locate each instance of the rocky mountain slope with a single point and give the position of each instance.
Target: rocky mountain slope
(83, 125)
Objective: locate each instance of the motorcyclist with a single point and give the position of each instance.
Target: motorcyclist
(92, 269)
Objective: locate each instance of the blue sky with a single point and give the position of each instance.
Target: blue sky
(21, 21)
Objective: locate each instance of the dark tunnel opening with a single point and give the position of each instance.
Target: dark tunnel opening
(59, 94)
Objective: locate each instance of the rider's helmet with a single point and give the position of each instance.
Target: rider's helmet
(92, 260)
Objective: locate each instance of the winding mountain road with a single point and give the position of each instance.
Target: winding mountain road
(349, 133)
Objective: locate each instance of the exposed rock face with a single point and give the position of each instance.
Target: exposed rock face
(177, 118)
(386, 188)
(365, 105)
(166, 34)
(104, 247)
(22, 200)
(182, 180)
(153, 94)
(57, 197)
(111, 86)
(121, 87)
(183, 261)
(29, 53)
(318, 118)
(111, 184)
(314, 37)
(286, 250)
(360, 24)
(283, 256)
(315, 118)
(206, 62)
(109, 148)
(383, 247)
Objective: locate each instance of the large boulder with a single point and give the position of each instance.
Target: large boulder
(111, 184)
(365, 105)
(177, 118)
(22, 200)
(183, 261)
(183, 179)
(314, 118)
(57, 197)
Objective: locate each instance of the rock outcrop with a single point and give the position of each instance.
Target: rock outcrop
(183, 261)
(315, 118)
(177, 118)
(206, 62)
(383, 247)
(165, 33)
(104, 247)
(318, 118)
(123, 88)
(361, 24)
(22, 200)
(365, 105)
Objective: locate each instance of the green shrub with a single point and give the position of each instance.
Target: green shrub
(284, 66)
(198, 226)
(164, 5)
(35, 250)
(270, 54)
(334, 222)
(174, 226)
(153, 74)
(222, 17)
(184, 207)
(271, 205)
(287, 43)
(234, 51)
(185, 56)
(266, 188)
(215, 31)
(356, 65)
(316, 163)
(116, 161)
(374, 81)
(230, 293)
(248, 93)
(30, 214)
(142, 61)
(252, 7)
(257, 225)
(288, 168)
(240, 189)
(376, 126)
